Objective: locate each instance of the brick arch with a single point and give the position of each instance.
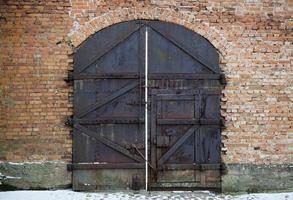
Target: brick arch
(212, 34)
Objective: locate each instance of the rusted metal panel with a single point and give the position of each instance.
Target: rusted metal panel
(107, 99)
(176, 145)
(107, 179)
(163, 141)
(107, 142)
(104, 42)
(193, 44)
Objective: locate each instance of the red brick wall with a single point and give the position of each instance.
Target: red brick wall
(34, 97)
(254, 38)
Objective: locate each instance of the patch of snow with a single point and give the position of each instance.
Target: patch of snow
(266, 196)
(30, 162)
(199, 195)
(86, 163)
(180, 191)
(12, 163)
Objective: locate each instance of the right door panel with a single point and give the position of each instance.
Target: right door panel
(185, 109)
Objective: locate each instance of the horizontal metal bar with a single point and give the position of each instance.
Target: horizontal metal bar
(120, 75)
(190, 166)
(189, 121)
(170, 97)
(136, 120)
(87, 166)
(184, 76)
(177, 92)
(113, 120)
(154, 76)
(211, 91)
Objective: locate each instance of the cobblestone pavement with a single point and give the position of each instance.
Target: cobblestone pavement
(199, 195)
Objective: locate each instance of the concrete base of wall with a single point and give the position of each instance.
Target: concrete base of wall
(34, 175)
(236, 177)
(257, 178)
(108, 179)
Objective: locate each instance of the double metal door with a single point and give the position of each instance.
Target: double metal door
(112, 71)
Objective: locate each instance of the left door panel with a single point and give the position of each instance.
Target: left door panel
(108, 136)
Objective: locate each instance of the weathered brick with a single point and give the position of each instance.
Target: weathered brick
(254, 39)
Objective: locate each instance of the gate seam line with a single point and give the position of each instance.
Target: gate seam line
(146, 108)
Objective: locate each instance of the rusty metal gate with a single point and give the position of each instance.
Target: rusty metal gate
(109, 109)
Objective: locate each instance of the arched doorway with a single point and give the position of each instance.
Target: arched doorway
(183, 101)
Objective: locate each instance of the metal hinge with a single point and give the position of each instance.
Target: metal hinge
(69, 122)
(69, 167)
(222, 123)
(223, 79)
(69, 77)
